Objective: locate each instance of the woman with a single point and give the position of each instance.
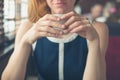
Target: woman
(81, 62)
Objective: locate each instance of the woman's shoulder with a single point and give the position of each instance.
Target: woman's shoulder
(101, 27)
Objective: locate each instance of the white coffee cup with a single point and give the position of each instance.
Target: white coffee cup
(62, 22)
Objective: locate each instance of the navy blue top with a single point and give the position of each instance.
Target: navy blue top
(46, 59)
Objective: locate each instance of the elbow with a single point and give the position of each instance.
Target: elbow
(7, 76)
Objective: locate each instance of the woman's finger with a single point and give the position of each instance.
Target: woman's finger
(80, 28)
(75, 21)
(45, 34)
(74, 25)
(51, 17)
(71, 20)
(68, 15)
(79, 23)
(49, 29)
(54, 24)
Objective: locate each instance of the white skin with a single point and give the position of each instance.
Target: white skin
(61, 6)
(96, 34)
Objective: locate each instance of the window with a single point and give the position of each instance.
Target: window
(24, 7)
(9, 16)
(15, 11)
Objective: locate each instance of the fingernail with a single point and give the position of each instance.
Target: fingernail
(61, 17)
(65, 31)
(61, 32)
(71, 31)
(53, 35)
(63, 26)
(58, 19)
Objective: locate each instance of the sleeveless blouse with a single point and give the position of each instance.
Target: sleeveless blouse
(61, 59)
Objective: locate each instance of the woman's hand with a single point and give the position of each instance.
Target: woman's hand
(81, 25)
(43, 28)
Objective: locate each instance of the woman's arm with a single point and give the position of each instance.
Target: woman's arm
(96, 66)
(16, 67)
(97, 36)
(26, 36)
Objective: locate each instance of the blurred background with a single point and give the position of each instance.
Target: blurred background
(14, 12)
